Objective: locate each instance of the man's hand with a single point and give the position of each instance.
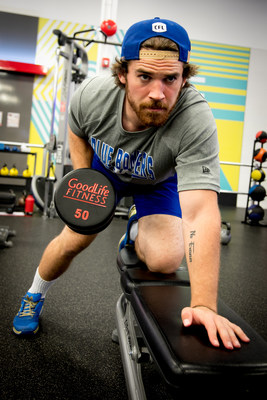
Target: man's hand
(215, 325)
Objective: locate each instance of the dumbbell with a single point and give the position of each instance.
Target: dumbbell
(225, 233)
(85, 200)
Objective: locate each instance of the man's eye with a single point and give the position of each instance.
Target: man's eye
(144, 77)
(171, 79)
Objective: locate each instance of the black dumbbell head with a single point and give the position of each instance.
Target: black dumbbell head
(85, 200)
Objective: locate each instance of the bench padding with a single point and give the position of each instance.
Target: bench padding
(184, 355)
(186, 352)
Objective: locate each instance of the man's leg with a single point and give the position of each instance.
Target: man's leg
(55, 260)
(60, 252)
(159, 242)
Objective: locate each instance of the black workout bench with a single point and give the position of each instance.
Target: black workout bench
(150, 328)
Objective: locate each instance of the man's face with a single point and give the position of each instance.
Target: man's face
(152, 89)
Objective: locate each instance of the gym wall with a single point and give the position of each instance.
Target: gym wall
(39, 108)
(222, 79)
(255, 117)
(16, 44)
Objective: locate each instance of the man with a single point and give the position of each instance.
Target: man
(150, 133)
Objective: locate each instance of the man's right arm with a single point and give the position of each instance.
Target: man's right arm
(81, 153)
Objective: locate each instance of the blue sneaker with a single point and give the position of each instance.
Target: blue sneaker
(125, 239)
(27, 319)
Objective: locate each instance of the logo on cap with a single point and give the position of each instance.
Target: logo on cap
(159, 27)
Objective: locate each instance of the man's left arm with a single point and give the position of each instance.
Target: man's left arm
(201, 230)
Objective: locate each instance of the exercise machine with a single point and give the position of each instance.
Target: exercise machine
(149, 328)
(75, 70)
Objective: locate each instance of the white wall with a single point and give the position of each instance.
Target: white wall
(255, 118)
(235, 22)
(84, 11)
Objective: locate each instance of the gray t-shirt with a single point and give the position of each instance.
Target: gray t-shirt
(187, 144)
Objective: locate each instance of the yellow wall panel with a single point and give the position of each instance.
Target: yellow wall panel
(230, 135)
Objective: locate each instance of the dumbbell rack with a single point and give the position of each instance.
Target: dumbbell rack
(251, 182)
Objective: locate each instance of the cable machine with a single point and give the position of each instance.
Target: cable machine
(75, 70)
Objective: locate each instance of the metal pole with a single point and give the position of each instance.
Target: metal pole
(55, 87)
(235, 164)
(62, 136)
(233, 192)
(23, 144)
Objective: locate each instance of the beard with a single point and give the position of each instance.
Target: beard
(146, 115)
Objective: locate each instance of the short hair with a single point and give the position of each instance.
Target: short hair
(155, 43)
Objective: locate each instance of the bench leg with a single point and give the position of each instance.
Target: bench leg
(130, 351)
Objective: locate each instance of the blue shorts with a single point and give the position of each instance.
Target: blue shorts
(161, 198)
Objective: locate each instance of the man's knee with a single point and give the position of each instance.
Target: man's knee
(164, 264)
(159, 242)
(158, 261)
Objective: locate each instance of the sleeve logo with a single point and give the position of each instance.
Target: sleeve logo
(205, 170)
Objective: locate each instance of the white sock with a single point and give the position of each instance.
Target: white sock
(39, 285)
(133, 231)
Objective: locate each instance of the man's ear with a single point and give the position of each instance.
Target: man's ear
(184, 82)
(122, 78)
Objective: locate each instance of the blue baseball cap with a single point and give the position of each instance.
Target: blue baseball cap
(143, 30)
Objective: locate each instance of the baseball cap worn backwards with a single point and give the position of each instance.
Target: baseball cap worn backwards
(147, 29)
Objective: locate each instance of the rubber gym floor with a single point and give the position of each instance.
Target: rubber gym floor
(73, 356)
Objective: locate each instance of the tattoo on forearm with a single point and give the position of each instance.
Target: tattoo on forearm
(191, 245)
